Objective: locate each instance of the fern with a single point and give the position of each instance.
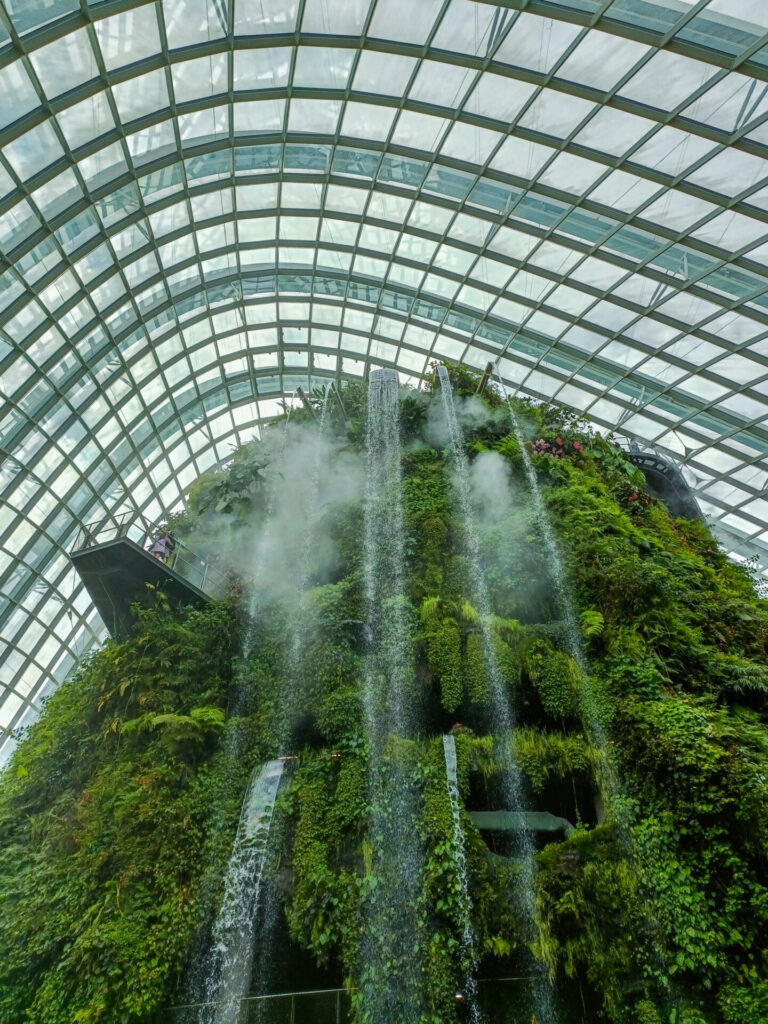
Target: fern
(592, 622)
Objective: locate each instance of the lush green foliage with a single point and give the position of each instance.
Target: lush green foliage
(118, 810)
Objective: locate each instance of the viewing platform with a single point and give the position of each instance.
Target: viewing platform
(516, 821)
(113, 559)
(663, 477)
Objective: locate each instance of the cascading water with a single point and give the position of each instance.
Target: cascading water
(390, 980)
(228, 971)
(501, 709)
(292, 698)
(244, 920)
(468, 954)
(564, 604)
(387, 705)
(234, 741)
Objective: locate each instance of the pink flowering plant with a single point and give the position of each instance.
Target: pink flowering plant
(557, 449)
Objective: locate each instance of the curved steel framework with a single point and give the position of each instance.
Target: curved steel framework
(205, 203)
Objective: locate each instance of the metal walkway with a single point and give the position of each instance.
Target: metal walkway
(663, 478)
(113, 560)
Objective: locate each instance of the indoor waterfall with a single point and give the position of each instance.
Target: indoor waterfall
(294, 698)
(242, 864)
(468, 953)
(390, 977)
(228, 970)
(564, 607)
(501, 708)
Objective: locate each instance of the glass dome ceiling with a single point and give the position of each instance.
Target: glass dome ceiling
(205, 203)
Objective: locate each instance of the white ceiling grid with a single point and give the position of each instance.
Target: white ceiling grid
(205, 203)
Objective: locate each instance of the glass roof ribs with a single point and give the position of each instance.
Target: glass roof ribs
(204, 204)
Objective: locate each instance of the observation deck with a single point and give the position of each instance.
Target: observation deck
(663, 478)
(113, 559)
(516, 821)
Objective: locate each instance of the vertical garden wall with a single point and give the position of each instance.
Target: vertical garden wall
(642, 748)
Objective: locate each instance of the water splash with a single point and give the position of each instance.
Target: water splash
(468, 953)
(228, 968)
(389, 976)
(501, 708)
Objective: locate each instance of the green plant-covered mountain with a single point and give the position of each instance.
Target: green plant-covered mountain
(647, 753)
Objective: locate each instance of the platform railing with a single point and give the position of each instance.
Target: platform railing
(133, 526)
(503, 999)
(321, 1006)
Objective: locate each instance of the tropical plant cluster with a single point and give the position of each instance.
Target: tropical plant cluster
(120, 805)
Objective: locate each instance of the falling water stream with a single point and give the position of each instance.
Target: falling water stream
(228, 966)
(468, 954)
(228, 970)
(390, 979)
(293, 698)
(501, 709)
(565, 609)
(608, 775)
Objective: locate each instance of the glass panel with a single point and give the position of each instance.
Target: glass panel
(731, 104)
(202, 77)
(32, 152)
(404, 21)
(261, 68)
(468, 142)
(193, 21)
(386, 73)
(319, 116)
(86, 120)
(56, 195)
(17, 94)
(730, 172)
(658, 17)
(367, 121)
(27, 14)
(556, 113)
(265, 17)
(442, 84)
(667, 80)
(422, 131)
(499, 97)
(624, 191)
(725, 27)
(65, 63)
(536, 43)
(471, 28)
(602, 60)
(259, 116)
(128, 37)
(331, 18)
(614, 131)
(322, 67)
(143, 95)
(671, 151)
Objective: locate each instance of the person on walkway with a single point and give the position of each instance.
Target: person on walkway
(162, 546)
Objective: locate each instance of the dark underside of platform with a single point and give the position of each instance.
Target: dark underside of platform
(116, 575)
(665, 482)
